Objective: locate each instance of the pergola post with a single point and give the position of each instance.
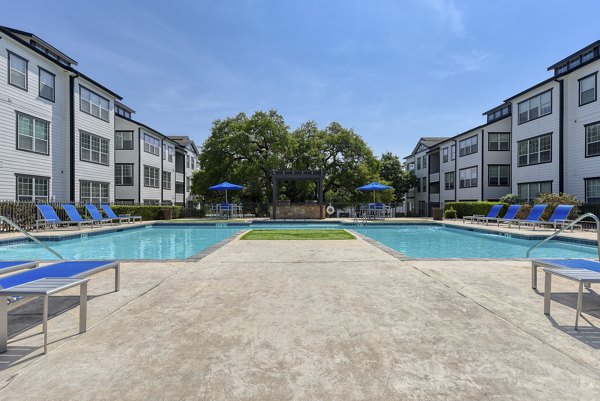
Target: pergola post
(275, 183)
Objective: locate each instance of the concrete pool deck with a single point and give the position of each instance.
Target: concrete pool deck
(303, 320)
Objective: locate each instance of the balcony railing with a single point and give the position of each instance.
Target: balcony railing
(179, 177)
(435, 177)
(179, 198)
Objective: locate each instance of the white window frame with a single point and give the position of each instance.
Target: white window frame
(535, 107)
(151, 177)
(151, 144)
(529, 151)
(37, 185)
(94, 192)
(94, 104)
(453, 152)
(468, 146)
(166, 180)
(120, 140)
(496, 139)
(39, 135)
(98, 151)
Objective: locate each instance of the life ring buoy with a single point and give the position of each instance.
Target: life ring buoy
(330, 209)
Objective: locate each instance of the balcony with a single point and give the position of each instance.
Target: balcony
(434, 198)
(179, 198)
(179, 177)
(434, 177)
(410, 193)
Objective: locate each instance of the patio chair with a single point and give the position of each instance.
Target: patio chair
(559, 216)
(493, 213)
(592, 265)
(225, 209)
(96, 215)
(534, 215)
(10, 266)
(75, 216)
(109, 212)
(50, 218)
(510, 214)
(50, 274)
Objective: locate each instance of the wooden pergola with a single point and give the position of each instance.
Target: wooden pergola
(297, 175)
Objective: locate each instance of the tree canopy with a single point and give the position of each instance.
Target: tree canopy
(245, 150)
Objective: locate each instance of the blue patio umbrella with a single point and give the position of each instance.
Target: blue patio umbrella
(374, 186)
(226, 186)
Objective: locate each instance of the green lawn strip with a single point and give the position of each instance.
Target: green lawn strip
(297, 235)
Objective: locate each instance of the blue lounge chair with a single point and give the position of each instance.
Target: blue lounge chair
(592, 265)
(16, 265)
(510, 214)
(70, 269)
(97, 216)
(492, 214)
(534, 215)
(559, 216)
(109, 212)
(50, 218)
(75, 216)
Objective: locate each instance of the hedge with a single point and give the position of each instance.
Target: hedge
(473, 208)
(149, 212)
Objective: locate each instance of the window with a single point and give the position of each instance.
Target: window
(587, 89)
(166, 177)
(535, 107)
(587, 56)
(467, 177)
(425, 161)
(32, 189)
(123, 174)
(122, 112)
(418, 163)
(123, 140)
(187, 160)
(168, 152)
(32, 134)
(449, 180)
(592, 139)
(17, 71)
(47, 84)
(151, 176)
(94, 192)
(452, 152)
(498, 141)
(498, 114)
(468, 146)
(92, 103)
(498, 175)
(535, 150)
(592, 190)
(418, 185)
(424, 184)
(530, 190)
(445, 155)
(151, 145)
(93, 148)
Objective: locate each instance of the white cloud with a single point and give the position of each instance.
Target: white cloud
(449, 13)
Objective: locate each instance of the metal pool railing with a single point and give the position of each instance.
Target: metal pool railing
(571, 224)
(31, 237)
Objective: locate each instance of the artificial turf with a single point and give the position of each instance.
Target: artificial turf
(297, 235)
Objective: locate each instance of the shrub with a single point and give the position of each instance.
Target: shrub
(148, 212)
(523, 211)
(553, 200)
(472, 208)
(450, 213)
(511, 199)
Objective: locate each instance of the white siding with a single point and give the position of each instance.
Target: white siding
(446, 195)
(128, 192)
(543, 125)
(86, 171)
(169, 166)
(472, 160)
(495, 157)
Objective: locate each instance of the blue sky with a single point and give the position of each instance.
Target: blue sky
(391, 70)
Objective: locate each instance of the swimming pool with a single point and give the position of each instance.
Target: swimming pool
(183, 241)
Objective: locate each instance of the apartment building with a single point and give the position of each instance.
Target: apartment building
(417, 199)
(56, 125)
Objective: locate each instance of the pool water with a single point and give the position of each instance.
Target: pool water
(428, 241)
(184, 241)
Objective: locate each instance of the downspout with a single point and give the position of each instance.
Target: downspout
(427, 187)
(456, 180)
(140, 168)
(561, 134)
(72, 137)
(162, 161)
(482, 163)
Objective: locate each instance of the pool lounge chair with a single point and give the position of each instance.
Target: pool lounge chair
(493, 213)
(592, 265)
(510, 214)
(109, 212)
(96, 215)
(559, 218)
(10, 266)
(534, 215)
(50, 218)
(75, 216)
(68, 269)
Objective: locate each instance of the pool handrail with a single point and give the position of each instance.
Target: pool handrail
(31, 237)
(577, 220)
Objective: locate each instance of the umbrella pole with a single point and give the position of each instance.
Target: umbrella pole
(374, 199)
(225, 196)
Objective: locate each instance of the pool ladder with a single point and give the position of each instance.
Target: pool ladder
(571, 224)
(31, 237)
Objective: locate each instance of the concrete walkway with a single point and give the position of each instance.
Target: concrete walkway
(304, 320)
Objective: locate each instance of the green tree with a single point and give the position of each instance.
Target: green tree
(392, 171)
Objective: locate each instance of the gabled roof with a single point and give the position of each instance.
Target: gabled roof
(544, 82)
(184, 141)
(28, 36)
(578, 52)
(21, 38)
(428, 142)
(152, 130)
